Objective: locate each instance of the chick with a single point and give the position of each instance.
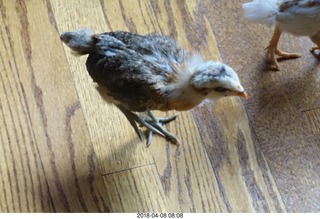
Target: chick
(142, 73)
(298, 17)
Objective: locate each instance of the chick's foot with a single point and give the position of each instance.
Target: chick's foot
(157, 123)
(152, 124)
(273, 59)
(286, 55)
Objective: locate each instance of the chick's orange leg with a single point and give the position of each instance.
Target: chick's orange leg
(272, 47)
(273, 50)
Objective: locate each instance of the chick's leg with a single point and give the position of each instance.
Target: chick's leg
(153, 124)
(273, 50)
(134, 119)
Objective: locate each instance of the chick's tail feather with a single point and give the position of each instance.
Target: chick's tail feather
(261, 11)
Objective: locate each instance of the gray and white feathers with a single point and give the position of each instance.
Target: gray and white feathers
(151, 72)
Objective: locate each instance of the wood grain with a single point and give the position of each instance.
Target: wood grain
(63, 149)
(23, 186)
(277, 103)
(55, 130)
(117, 150)
(137, 190)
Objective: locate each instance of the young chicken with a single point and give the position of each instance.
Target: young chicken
(151, 72)
(298, 17)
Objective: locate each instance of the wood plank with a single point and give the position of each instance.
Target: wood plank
(230, 179)
(23, 186)
(131, 17)
(121, 153)
(198, 190)
(276, 102)
(137, 190)
(175, 169)
(185, 172)
(55, 118)
(62, 149)
(114, 140)
(238, 162)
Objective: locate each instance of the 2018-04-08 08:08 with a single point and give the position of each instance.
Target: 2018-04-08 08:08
(159, 215)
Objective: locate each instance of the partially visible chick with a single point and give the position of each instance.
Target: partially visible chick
(298, 17)
(151, 72)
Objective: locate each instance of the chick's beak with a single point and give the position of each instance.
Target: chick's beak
(66, 37)
(243, 95)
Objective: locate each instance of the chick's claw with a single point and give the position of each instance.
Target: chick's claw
(157, 124)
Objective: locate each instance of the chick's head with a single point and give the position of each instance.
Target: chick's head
(217, 80)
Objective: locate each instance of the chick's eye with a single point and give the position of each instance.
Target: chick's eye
(220, 89)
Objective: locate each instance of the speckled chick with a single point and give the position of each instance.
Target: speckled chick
(140, 73)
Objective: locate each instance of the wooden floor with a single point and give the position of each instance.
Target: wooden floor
(62, 149)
